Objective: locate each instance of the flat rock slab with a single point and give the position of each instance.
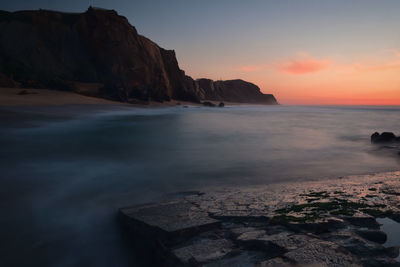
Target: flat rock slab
(316, 223)
(171, 219)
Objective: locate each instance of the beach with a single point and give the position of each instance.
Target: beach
(46, 97)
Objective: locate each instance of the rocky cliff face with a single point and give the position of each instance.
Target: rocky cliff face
(234, 91)
(47, 49)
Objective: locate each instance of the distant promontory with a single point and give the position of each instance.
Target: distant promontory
(99, 53)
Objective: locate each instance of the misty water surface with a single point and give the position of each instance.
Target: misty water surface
(66, 170)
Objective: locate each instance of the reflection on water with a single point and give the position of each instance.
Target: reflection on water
(64, 176)
(392, 230)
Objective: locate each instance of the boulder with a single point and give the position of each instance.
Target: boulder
(385, 137)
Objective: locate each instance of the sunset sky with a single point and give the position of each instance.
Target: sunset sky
(304, 52)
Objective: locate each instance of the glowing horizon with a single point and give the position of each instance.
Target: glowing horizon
(326, 81)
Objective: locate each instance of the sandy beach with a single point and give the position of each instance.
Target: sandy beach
(46, 97)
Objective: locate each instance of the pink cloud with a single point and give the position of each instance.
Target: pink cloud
(303, 66)
(302, 63)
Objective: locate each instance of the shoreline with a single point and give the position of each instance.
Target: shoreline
(307, 182)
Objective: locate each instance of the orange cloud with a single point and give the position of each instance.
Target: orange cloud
(304, 65)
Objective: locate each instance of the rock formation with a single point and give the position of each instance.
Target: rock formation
(233, 91)
(99, 48)
(385, 137)
(317, 223)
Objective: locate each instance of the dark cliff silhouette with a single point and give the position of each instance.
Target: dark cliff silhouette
(234, 91)
(99, 53)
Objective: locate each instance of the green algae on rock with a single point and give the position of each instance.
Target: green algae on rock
(277, 224)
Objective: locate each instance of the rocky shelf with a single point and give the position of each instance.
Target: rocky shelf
(323, 223)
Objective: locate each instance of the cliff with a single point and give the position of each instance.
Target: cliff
(98, 48)
(233, 91)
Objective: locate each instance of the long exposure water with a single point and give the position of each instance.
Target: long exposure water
(65, 171)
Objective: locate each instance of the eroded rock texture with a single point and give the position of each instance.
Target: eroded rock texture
(328, 223)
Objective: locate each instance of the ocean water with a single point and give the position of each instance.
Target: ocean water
(65, 171)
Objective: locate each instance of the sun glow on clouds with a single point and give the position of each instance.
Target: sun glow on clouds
(304, 65)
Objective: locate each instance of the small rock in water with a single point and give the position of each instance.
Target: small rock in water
(385, 137)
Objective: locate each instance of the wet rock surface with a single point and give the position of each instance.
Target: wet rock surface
(329, 223)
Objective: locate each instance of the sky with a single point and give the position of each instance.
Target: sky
(302, 51)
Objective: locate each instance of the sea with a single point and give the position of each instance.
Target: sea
(66, 170)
